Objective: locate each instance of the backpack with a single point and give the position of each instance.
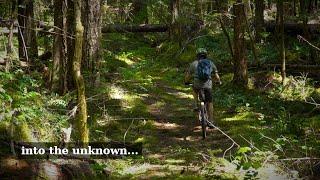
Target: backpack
(204, 70)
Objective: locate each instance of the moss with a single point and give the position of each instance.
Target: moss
(4, 129)
(23, 132)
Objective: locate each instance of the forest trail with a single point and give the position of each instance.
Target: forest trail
(165, 121)
(154, 107)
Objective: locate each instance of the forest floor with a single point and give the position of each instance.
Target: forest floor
(142, 99)
(146, 101)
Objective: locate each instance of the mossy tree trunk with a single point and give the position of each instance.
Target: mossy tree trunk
(81, 124)
(240, 77)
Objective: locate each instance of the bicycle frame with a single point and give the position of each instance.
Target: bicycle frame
(203, 116)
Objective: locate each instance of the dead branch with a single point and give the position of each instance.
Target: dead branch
(298, 159)
(225, 134)
(300, 38)
(125, 134)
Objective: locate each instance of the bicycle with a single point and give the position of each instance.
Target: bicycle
(202, 113)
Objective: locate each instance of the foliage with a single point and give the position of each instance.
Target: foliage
(25, 108)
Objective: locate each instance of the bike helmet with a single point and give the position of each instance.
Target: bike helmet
(202, 51)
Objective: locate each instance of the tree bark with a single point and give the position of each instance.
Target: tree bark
(248, 10)
(294, 7)
(175, 30)
(304, 18)
(10, 47)
(175, 7)
(92, 28)
(259, 19)
(59, 70)
(240, 77)
(70, 43)
(27, 37)
(81, 124)
(282, 44)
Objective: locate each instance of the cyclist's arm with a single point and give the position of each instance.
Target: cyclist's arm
(217, 77)
(215, 74)
(187, 77)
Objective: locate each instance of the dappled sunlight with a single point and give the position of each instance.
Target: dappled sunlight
(175, 161)
(155, 156)
(181, 95)
(188, 138)
(245, 116)
(125, 58)
(138, 169)
(167, 125)
(116, 92)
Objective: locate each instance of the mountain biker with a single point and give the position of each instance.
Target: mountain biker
(198, 83)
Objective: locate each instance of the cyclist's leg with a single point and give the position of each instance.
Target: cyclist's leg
(208, 95)
(195, 97)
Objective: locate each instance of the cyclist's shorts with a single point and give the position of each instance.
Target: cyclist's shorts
(207, 94)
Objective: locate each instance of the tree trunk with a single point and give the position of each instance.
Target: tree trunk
(175, 7)
(295, 7)
(70, 43)
(10, 47)
(59, 70)
(28, 47)
(221, 9)
(282, 45)
(140, 12)
(81, 124)
(248, 10)
(240, 77)
(175, 30)
(304, 18)
(259, 19)
(92, 27)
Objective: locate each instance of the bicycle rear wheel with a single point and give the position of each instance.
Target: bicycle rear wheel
(203, 120)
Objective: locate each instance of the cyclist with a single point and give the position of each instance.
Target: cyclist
(198, 83)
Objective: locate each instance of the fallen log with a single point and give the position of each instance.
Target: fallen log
(294, 67)
(112, 28)
(293, 28)
(123, 28)
(289, 67)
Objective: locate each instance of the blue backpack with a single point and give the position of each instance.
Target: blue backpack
(204, 70)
